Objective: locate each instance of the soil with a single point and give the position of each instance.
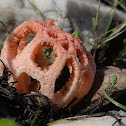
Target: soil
(23, 107)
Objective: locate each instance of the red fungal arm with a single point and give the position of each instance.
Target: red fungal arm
(27, 61)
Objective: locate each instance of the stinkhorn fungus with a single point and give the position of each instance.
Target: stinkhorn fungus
(29, 67)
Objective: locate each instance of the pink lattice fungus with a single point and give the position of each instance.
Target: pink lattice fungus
(29, 67)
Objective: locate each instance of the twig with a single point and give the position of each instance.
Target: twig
(115, 36)
(119, 28)
(101, 20)
(116, 33)
(111, 4)
(123, 6)
(90, 43)
(4, 26)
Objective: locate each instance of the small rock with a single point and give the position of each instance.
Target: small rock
(108, 72)
(122, 113)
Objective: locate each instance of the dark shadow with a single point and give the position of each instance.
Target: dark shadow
(87, 99)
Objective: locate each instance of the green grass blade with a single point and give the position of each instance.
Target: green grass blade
(101, 20)
(37, 112)
(110, 21)
(41, 14)
(102, 35)
(115, 29)
(69, 118)
(114, 102)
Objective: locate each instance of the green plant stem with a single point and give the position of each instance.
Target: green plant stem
(110, 21)
(96, 29)
(114, 102)
(117, 27)
(42, 16)
(100, 37)
(69, 118)
(114, 36)
(37, 112)
(101, 20)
